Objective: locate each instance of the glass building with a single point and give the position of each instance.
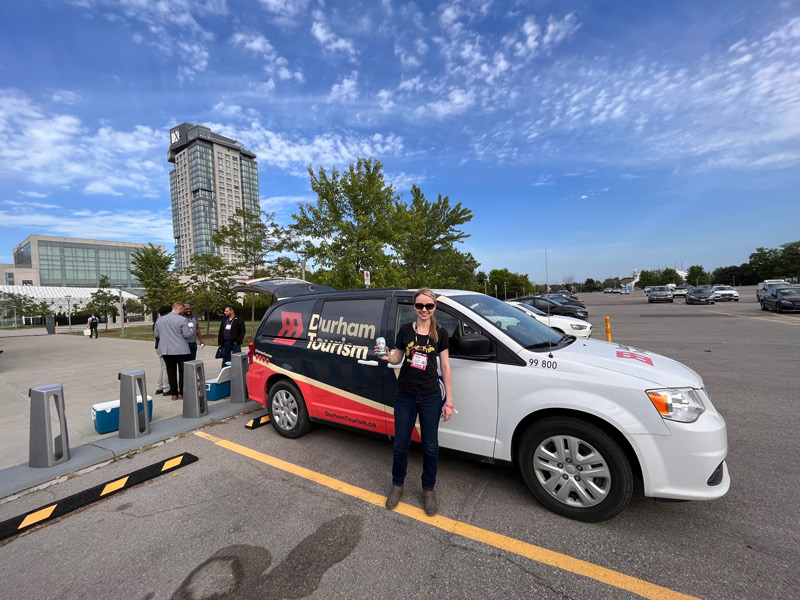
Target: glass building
(213, 177)
(43, 260)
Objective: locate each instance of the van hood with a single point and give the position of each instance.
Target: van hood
(620, 358)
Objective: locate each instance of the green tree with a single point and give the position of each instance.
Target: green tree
(765, 263)
(353, 222)
(789, 262)
(252, 236)
(696, 275)
(426, 244)
(16, 305)
(209, 285)
(104, 302)
(134, 307)
(285, 266)
(670, 276)
(590, 285)
(646, 279)
(151, 266)
(516, 284)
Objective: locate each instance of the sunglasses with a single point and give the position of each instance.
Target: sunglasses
(420, 306)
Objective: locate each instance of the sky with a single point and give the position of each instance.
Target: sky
(615, 134)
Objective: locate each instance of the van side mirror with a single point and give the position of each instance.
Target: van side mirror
(475, 345)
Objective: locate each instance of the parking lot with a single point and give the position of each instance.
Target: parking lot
(239, 523)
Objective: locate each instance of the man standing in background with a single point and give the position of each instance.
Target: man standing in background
(231, 335)
(194, 326)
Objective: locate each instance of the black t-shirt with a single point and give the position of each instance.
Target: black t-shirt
(413, 380)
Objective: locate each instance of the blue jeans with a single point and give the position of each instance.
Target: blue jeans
(406, 409)
(229, 348)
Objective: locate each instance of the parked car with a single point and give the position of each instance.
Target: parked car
(766, 285)
(565, 298)
(699, 295)
(616, 291)
(607, 290)
(659, 293)
(781, 299)
(565, 325)
(647, 289)
(725, 293)
(680, 290)
(555, 307)
(580, 418)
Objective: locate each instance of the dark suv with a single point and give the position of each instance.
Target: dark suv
(555, 306)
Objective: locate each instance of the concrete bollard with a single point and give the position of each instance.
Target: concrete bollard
(132, 423)
(195, 402)
(240, 364)
(43, 451)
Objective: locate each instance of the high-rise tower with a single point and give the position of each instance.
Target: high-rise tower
(213, 176)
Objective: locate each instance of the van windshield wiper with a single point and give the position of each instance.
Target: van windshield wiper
(542, 345)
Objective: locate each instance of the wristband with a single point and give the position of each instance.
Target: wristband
(449, 405)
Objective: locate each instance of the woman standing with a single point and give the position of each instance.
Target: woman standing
(418, 345)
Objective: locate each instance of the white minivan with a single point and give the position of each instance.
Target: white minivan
(582, 419)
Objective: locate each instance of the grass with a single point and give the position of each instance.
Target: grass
(144, 331)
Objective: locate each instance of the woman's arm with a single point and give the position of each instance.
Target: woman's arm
(394, 357)
(444, 363)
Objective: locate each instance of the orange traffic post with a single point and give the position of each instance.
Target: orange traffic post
(608, 329)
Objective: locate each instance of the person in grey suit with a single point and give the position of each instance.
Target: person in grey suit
(174, 334)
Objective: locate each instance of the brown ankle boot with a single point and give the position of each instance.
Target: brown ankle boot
(429, 502)
(394, 497)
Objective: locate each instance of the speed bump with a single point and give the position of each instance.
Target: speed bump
(258, 422)
(48, 512)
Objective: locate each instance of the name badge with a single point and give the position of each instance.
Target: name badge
(228, 326)
(419, 361)
(191, 324)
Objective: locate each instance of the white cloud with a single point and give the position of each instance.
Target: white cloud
(32, 194)
(66, 97)
(285, 12)
(347, 88)
(136, 226)
(29, 205)
(274, 64)
(230, 111)
(329, 40)
(456, 102)
(72, 152)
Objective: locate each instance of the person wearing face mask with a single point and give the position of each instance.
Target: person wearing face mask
(417, 346)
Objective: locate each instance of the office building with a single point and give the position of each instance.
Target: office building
(45, 260)
(213, 176)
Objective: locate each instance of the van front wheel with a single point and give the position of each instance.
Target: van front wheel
(575, 469)
(287, 410)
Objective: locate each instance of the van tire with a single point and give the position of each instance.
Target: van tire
(287, 410)
(588, 445)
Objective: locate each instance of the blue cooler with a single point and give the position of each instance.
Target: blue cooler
(105, 415)
(219, 388)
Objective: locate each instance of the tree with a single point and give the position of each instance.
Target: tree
(252, 236)
(353, 222)
(151, 266)
(568, 281)
(790, 259)
(426, 244)
(670, 276)
(765, 263)
(209, 285)
(590, 285)
(696, 275)
(15, 304)
(516, 284)
(134, 307)
(103, 302)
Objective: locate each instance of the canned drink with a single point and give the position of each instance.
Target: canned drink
(380, 346)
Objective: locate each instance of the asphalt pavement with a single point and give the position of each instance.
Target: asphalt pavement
(261, 516)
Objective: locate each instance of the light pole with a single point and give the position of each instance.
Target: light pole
(121, 311)
(303, 255)
(484, 286)
(505, 297)
(69, 312)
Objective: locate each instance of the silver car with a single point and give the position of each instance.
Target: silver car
(659, 293)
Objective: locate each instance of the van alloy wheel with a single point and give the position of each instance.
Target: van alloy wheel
(287, 410)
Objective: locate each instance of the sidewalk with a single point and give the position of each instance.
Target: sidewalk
(88, 369)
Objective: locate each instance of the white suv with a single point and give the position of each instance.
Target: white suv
(725, 293)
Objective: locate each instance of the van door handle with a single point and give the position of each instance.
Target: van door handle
(368, 363)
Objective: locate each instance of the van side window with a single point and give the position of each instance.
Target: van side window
(289, 321)
(454, 326)
(351, 321)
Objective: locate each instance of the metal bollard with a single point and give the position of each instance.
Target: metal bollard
(195, 403)
(239, 366)
(132, 423)
(43, 451)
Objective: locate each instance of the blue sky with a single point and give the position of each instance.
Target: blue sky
(617, 135)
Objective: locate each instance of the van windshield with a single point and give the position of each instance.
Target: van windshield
(519, 326)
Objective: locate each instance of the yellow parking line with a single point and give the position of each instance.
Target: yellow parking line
(782, 319)
(502, 542)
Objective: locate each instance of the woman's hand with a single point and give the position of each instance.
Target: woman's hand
(447, 411)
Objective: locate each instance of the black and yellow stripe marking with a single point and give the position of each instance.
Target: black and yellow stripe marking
(257, 422)
(17, 525)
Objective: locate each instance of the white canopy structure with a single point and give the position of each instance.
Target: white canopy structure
(59, 297)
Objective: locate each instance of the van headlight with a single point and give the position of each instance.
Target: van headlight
(684, 405)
